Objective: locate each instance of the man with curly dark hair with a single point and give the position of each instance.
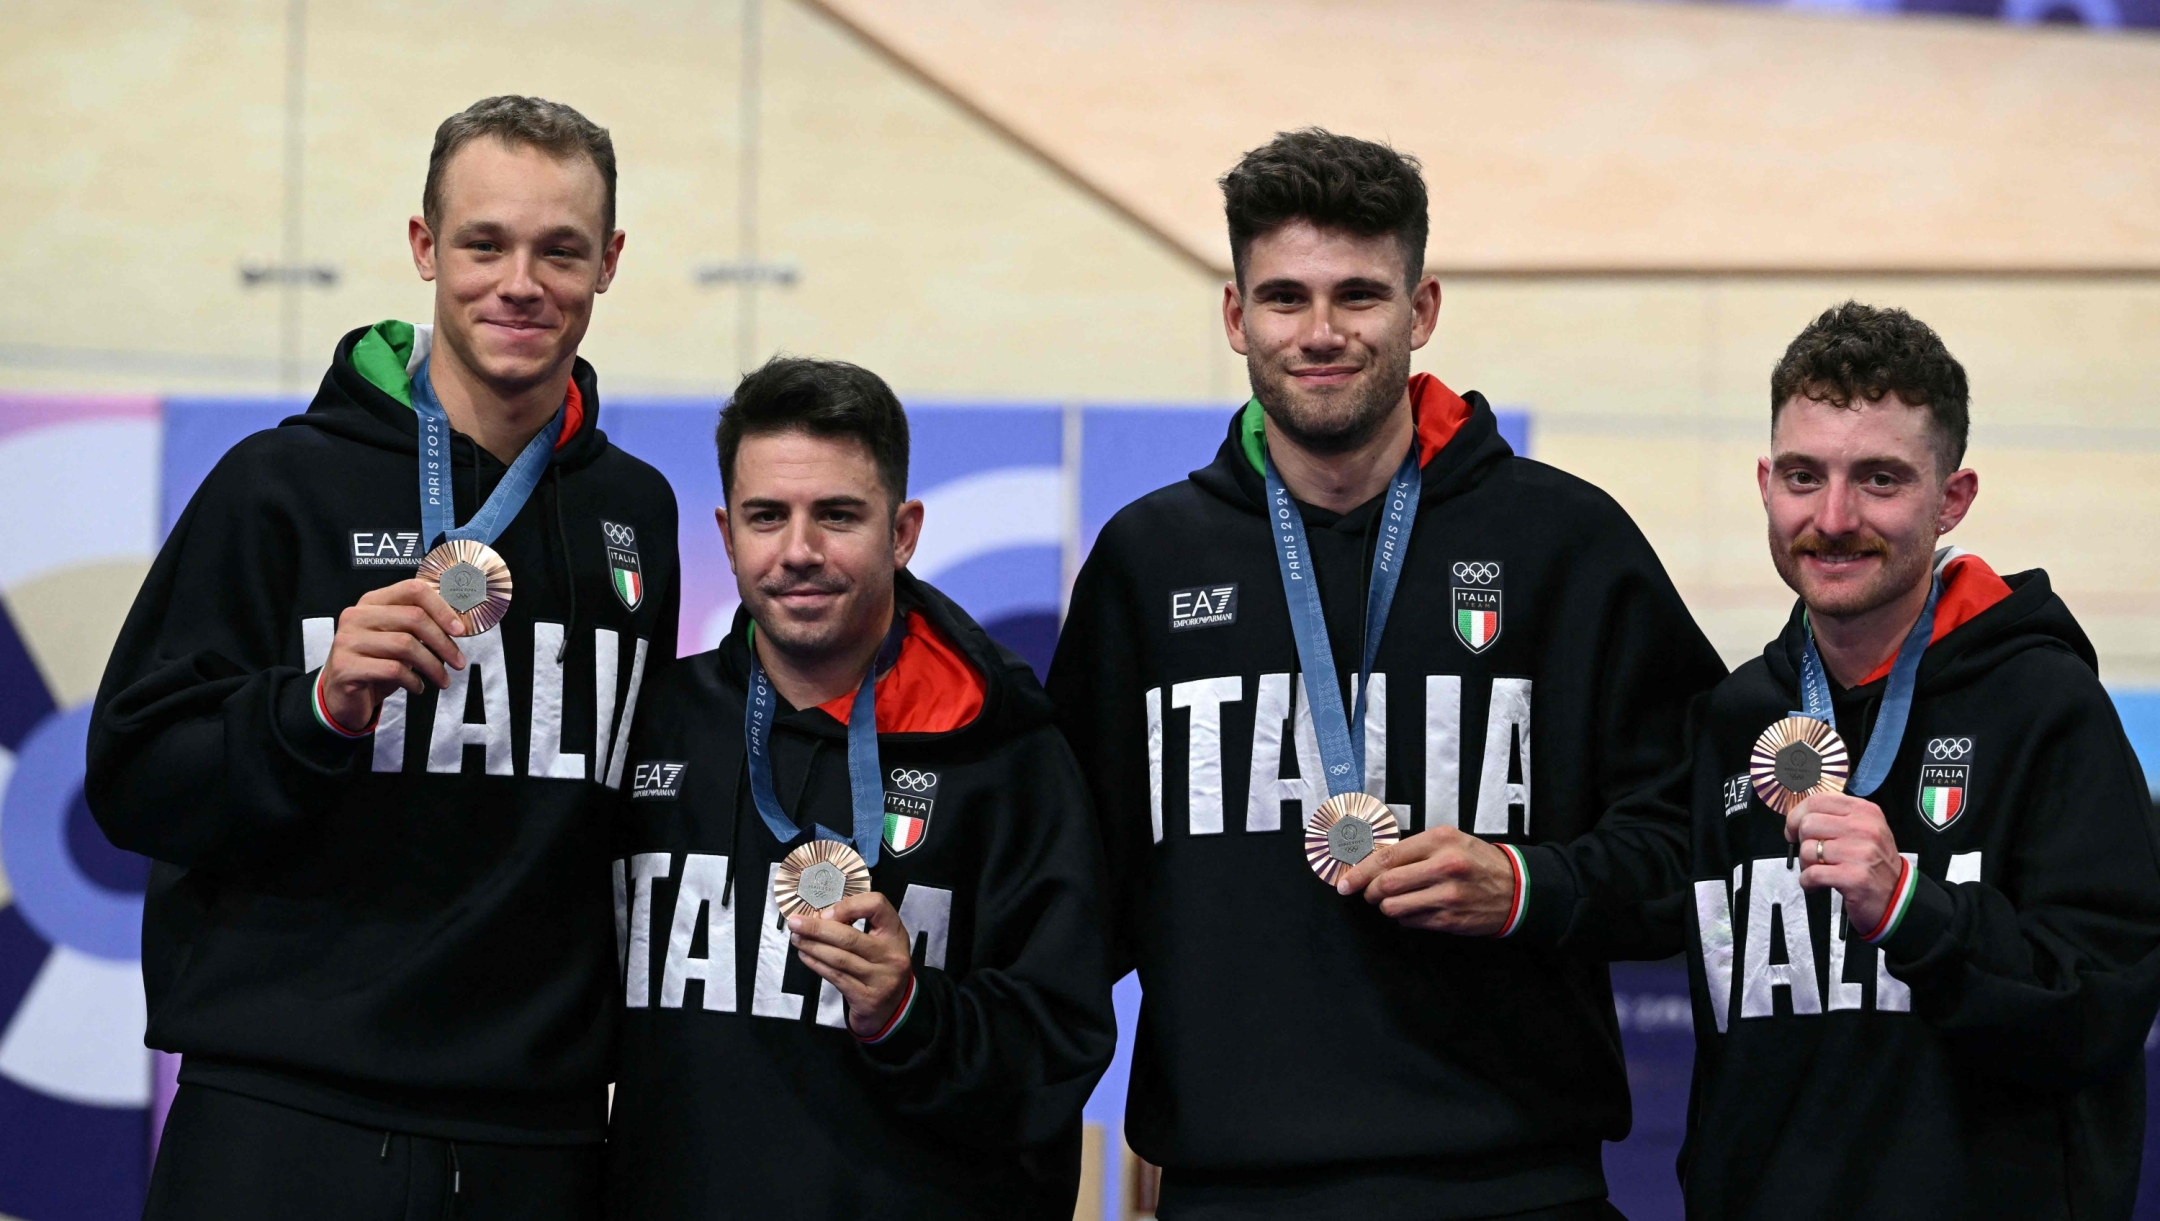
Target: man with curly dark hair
(1425, 1029)
(1924, 928)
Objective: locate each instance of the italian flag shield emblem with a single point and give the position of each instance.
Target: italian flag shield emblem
(1477, 617)
(910, 795)
(622, 560)
(903, 832)
(1942, 793)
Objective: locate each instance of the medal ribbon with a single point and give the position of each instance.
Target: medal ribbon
(865, 792)
(438, 507)
(1882, 747)
(1341, 739)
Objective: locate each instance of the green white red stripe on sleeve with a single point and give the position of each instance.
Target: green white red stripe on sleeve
(907, 1005)
(1900, 902)
(1521, 901)
(323, 717)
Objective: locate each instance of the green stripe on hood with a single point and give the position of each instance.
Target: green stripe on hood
(381, 357)
(1251, 433)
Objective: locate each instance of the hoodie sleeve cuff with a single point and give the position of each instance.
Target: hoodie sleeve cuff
(1544, 893)
(1920, 927)
(905, 1042)
(306, 730)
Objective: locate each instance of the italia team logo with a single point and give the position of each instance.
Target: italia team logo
(1944, 773)
(1477, 603)
(909, 794)
(622, 560)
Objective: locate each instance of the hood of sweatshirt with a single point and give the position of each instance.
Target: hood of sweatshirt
(1459, 442)
(366, 396)
(948, 679)
(1981, 621)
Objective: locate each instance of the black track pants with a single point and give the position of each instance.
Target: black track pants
(227, 1157)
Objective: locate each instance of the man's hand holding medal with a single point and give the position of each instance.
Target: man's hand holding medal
(395, 638)
(1845, 845)
(1442, 880)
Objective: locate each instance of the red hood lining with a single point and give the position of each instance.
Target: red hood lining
(1440, 414)
(1969, 587)
(573, 413)
(932, 688)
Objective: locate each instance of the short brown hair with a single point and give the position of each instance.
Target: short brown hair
(551, 127)
(1859, 353)
(1332, 182)
(825, 398)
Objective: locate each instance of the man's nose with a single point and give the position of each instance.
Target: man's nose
(1838, 511)
(803, 545)
(1320, 335)
(520, 284)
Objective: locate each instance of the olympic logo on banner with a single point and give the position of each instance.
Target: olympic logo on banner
(914, 782)
(1949, 748)
(1473, 572)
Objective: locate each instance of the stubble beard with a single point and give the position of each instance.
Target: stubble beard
(1334, 425)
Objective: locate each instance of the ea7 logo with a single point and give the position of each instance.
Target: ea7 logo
(1736, 794)
(1945, 778)
(657, 779)
(1203, 606)
(385, 549)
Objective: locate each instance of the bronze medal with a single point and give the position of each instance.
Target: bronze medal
(1345, 830)
(472, 579)
(1797, 758)
(818, 875)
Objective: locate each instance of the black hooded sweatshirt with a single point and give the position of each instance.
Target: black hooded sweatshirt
(1300, 1054)
(740, 1090)
(411, 930)
(1987, 1061)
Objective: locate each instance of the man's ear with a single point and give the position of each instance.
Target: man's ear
(422, 240)
(610, 258)
(1424, 310)
(907, 531)
(726, 540)
(1233, 317)
(1959, 491)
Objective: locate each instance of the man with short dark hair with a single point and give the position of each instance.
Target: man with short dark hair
(1925, 922)
(1319, 655)
(858, 882)
(368, 717)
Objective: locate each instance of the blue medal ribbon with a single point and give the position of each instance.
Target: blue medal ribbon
(1341, 738)
(438, 506)
(865, 791)
(1882, 747)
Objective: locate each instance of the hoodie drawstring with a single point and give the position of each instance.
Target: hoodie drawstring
(562, 538)
(734, 828)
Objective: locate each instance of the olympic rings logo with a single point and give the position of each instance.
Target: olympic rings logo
(914, 782)
(1949, 748)
(621, 536)
(1476, 572)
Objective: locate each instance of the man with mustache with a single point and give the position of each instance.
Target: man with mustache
(1334, 635)
(1925, 995)
(377, 799)
(916, 1041)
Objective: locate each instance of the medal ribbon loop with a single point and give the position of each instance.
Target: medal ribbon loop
(438, 507)
(1341, 739)
(1882, 747)
(866, 792)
